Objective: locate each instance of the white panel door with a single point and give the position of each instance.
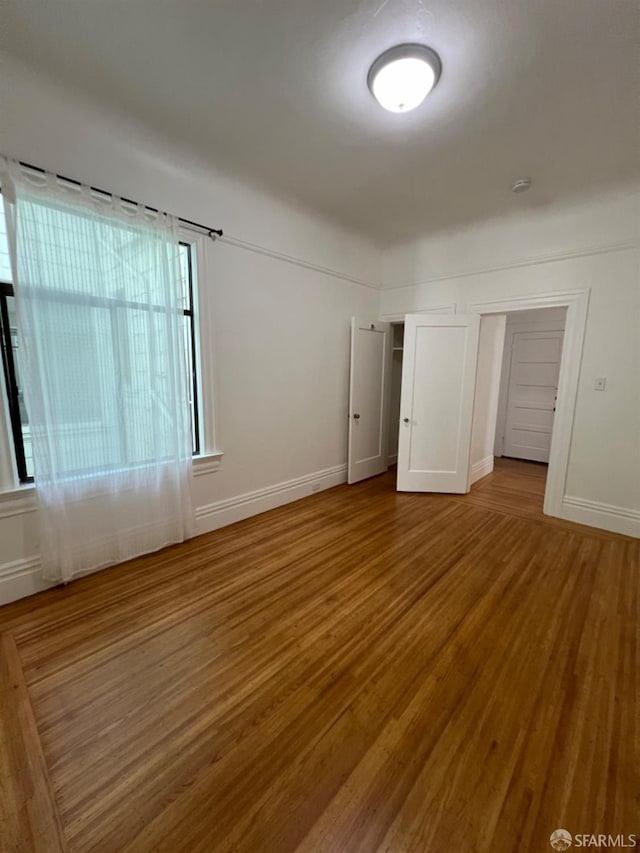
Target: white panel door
(531, 401)
(436, 409)
(368, 398)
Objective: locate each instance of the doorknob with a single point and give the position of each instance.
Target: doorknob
(356, 417)
(406, 420)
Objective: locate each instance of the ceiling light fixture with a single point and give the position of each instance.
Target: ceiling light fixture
(402, 77)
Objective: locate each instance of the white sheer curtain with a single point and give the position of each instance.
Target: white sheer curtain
(101, 335)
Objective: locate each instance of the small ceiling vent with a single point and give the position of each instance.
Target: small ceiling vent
(521, 185)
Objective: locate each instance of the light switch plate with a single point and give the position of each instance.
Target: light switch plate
(600, 383)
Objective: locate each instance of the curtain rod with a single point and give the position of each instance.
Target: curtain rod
(210, 231)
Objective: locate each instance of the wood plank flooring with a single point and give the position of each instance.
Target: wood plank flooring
(363, 670)
(515, 486)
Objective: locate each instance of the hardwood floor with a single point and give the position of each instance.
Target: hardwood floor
(363, 670)
(515, 487)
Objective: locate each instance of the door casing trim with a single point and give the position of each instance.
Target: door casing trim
(577, 305)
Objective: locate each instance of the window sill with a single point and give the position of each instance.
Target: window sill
(18, 501)
(24, 499)
(206, 464)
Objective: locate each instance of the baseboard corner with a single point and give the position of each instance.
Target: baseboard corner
(481, 468)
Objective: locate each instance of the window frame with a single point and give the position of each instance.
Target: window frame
(205, 361)
(10, 374)
(190, 312)
(11, 384)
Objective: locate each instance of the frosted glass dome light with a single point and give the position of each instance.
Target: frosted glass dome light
(402, 77)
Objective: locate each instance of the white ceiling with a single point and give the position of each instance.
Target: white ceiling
(275, 92)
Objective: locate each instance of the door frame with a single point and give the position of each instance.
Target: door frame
(449, 308)
(577, 304)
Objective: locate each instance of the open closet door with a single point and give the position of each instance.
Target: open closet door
(436, 407)
(368, 398)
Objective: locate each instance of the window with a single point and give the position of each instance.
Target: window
(15, 396)
(187, 275)
(82, 405)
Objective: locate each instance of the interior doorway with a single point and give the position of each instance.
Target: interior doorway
(519, 359)
(529, 383)
(518, 379)
(433, 436)
(395, 389)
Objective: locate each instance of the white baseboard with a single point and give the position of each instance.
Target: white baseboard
(21, 578)
(481, 469)
(219, 514)
(393, 459)
(618, 519)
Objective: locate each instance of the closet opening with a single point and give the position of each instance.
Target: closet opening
(395, 389)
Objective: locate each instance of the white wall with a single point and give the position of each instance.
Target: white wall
(593, 245)
(276, 303)
(485, 408)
